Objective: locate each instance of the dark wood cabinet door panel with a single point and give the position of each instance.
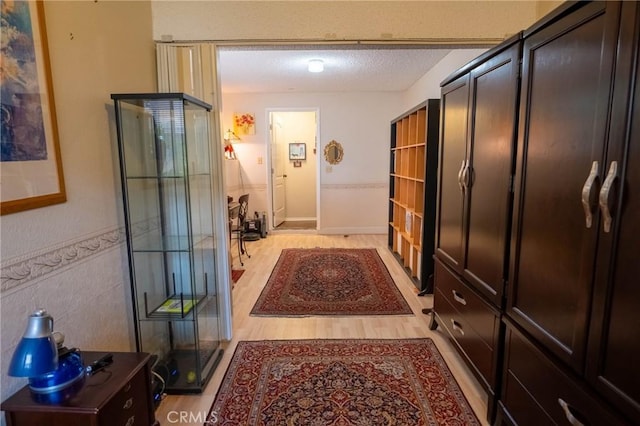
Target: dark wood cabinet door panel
(454, 107)
(566, 85)
(494, 87)
(614, 340)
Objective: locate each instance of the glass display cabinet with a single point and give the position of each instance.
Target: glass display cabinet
(165, 166)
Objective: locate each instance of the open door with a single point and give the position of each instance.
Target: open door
(278, 176)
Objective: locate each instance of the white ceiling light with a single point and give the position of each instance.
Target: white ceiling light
(316, 65)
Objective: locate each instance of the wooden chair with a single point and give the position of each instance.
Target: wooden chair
(237, 228)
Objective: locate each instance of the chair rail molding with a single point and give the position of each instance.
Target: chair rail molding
(33, 266)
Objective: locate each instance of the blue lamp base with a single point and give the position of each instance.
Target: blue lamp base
(61, 384)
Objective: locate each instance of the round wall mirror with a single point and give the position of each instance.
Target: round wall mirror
(333, 152)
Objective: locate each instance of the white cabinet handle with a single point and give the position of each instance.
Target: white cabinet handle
(587, 194)
(568, 414)
(467, 175)
(458, 297)
(457, 327)
(460, 184)
(605, 207)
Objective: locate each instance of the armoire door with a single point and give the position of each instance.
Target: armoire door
(566, 84)
(614, 342)
(454, 108)
(486, 179)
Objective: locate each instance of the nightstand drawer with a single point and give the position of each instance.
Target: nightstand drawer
(128, 407)
(528, 399)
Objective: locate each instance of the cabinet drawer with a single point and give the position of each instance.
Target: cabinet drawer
(128, 407)
(469, 320)
(536, 392)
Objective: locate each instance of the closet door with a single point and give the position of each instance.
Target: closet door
(566, 84)
(453, 149)
(613, 341)
(486, 179)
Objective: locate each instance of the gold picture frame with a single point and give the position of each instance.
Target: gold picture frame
(31, 172)
(333, 152)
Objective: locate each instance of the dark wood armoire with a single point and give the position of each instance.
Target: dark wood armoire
(574, 275)
(478, 129)
(537, 277)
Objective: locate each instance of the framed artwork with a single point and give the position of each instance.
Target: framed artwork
(244, 123)
(297, 151)
(297, 163)
(31, 169)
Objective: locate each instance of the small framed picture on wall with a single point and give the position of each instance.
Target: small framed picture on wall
(297, 151)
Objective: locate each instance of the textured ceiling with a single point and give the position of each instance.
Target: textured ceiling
(260, 70)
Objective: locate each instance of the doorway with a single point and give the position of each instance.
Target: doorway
(293, 169)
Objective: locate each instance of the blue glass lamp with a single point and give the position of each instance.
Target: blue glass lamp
(36, 353)
(55, 373)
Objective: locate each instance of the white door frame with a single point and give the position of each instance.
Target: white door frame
(319, 156)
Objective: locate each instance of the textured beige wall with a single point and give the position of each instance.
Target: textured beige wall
(544, 7)
(341, 20)
(69, 259)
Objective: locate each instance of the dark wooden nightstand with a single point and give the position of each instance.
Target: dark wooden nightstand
(118, 395)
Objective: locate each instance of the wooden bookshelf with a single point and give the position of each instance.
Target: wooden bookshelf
(412, 190)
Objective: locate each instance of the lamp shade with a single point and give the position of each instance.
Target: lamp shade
(229, 136)
(36, 354)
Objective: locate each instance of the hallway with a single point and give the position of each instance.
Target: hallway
(264, 254)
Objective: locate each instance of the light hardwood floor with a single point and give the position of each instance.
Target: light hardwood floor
(264, 254)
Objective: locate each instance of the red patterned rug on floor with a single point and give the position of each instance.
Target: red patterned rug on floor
(236, 274)
(340, 383)
(330, 281)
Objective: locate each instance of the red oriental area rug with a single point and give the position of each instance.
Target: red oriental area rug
(236, 274)
(340, 383)
(332, 281)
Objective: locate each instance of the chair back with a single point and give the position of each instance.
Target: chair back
(244, 208)
(233, 211)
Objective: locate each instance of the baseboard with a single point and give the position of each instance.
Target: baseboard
(354, 230)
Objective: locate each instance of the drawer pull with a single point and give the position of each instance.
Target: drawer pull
(457, 327)
(131, 421)
(460, 184)
(570, 415)
(605, 206)
(127, 387)
(128, 404)
(588, 194)
(458, 297)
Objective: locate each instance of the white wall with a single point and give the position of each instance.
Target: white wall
(353, 194)
(428, 86)
(69, 259)
(362, 178)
